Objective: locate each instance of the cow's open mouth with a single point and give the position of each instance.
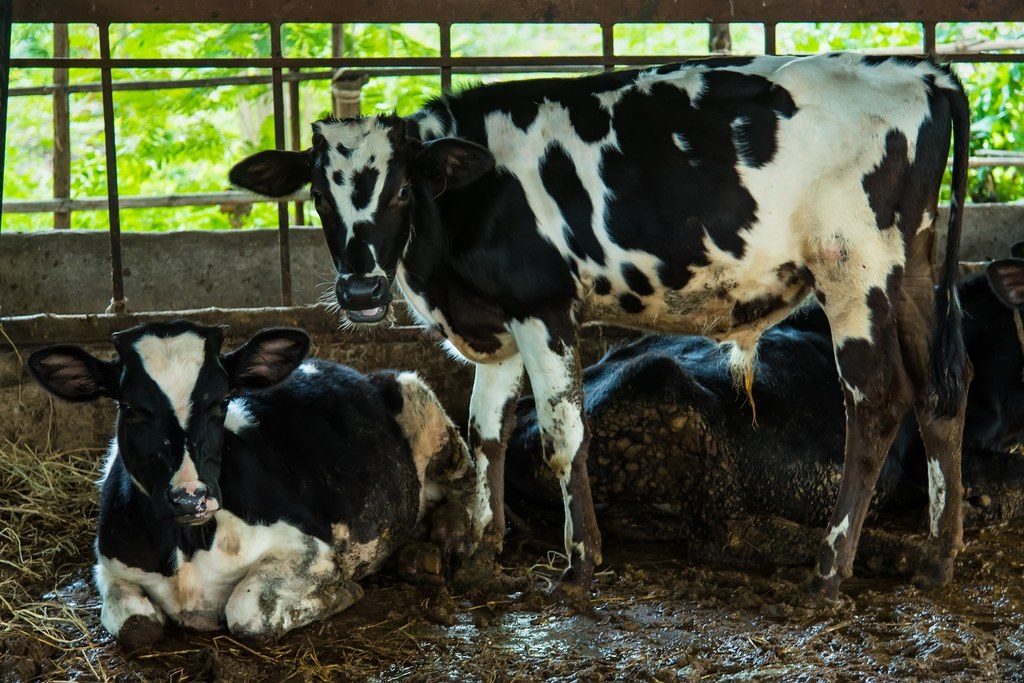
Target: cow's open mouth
(369, 315)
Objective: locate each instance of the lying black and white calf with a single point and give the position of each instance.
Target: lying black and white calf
(676, 455)
(240, 493)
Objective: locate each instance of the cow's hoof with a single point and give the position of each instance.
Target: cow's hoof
(138, 632)
(419, 562)
(573, 595)
(935, 573)
(825, 588)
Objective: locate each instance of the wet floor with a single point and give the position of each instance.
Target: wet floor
(652, 617)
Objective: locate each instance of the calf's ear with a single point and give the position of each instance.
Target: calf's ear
(72, 373)
(267, 358)
(451, 163)
(1007, 279)
(273, 173)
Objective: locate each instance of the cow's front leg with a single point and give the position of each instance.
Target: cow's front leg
(496, 387)
(127, 613)
(287, 589)
(551, 357)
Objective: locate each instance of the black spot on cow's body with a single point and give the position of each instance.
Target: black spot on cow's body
(746, 312)
(790, 274)
(754, 105)
(363, 183)
(878, 60)
(591, 121)
(602, 286)
(643, 213)
(631, 303)
(558, 173)
(885, 182)
(636, 280)
(858, 358)
(338, 177)
(523, 114)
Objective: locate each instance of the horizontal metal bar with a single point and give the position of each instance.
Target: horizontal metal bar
(293, 77)
(998, 159)
(542, 11)
(456, 64)
(136, 202)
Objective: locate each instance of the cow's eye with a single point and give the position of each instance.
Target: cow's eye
(318, 199)
(127, 410)
(404, 192)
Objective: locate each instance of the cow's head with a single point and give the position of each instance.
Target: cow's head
(369, 180)
(172, 387)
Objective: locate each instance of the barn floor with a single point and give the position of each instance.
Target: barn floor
(652, 617)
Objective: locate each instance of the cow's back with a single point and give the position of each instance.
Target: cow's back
(701, 197)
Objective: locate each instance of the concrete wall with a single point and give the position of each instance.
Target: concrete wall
(69, 271)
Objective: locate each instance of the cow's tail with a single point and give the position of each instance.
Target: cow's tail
(948, 355)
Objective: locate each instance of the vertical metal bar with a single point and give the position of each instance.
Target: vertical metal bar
(446, 54)
(6, 20)
(117, 305)
(769, 39)
(608, 45)
(61, 129)
(929, 37)
(295, 121)
(277, 85)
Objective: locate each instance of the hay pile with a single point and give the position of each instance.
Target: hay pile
(46, 533)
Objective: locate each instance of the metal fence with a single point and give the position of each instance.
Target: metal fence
(284, 71)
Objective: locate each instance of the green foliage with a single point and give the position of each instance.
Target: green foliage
(183, 139)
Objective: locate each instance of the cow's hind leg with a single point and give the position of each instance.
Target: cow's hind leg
(942, 435)
(552, 362)
(877, 394)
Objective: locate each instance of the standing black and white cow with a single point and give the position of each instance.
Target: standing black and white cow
(701, 197)
(240, 493)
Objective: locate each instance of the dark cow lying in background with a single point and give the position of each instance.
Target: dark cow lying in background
(675, 454)
(705, 197)
(251, 489)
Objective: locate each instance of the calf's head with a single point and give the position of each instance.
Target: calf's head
(372, 182)
(172, 386)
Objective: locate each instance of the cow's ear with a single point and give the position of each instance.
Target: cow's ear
(73, 374)
(267, 358)
(273, 173)
(451, 163)
(1007, 279)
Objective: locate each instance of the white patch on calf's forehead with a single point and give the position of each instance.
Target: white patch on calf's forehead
(368, 146)
(174, 363)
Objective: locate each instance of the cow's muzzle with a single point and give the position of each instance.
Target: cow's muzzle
(191, 504)
(364, 299)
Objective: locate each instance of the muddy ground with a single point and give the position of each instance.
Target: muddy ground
(653, 616)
